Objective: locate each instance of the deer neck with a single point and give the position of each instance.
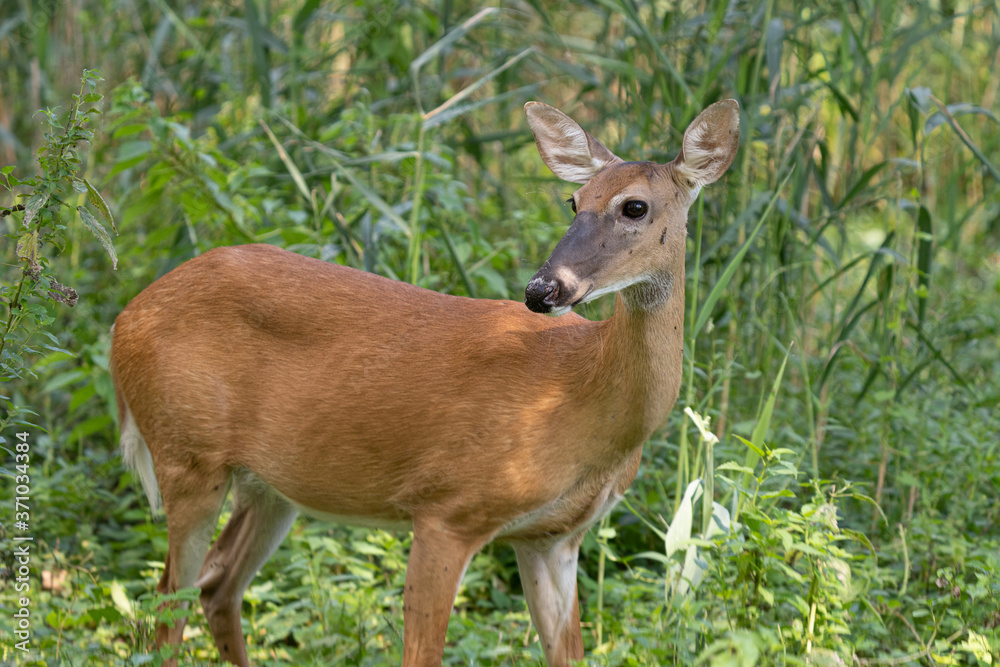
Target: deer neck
(643, 344)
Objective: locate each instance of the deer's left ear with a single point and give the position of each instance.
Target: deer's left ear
(710, 144)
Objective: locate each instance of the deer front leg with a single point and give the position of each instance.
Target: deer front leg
(438, 559)
(548, 575)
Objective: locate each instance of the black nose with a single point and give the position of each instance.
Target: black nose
(540, 295)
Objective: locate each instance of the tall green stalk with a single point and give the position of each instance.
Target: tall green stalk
(682, 460)
(413, 252)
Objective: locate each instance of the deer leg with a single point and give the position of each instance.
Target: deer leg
(548, 575)
(191, 522)
(438, 559)
(259, 522)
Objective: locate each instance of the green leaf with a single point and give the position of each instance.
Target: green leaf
(181, 26)
(946, 112)
(806, 549)
(920, 97)
(659, 533)
(109, 614)
(27, 247)
(940, 118)
(757, 450)
(95, 198)
(851, 315)
(293, 169)
(129, 129)
(98, 230)
(442, 45)
(432, 118)
(764, 420)
(442, 114)
(788, 570)
(784, 493)
(868, 499)
(81, 396)
(639, 24)
(775, 40)
(304, 14)
(34, 205)
(862, 182)
(63, 379)
(756, 520)
(652, 555)
(723, 282)
(735, 466)
(130, 154)
(469, 285)
(373, 198)
(90, 426)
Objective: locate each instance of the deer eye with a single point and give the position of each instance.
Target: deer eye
(635, 209)
(572, 203)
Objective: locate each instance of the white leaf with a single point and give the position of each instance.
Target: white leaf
(680, 528)
(121, 600)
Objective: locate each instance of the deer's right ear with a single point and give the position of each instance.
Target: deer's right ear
(710, 144)
(567, 149)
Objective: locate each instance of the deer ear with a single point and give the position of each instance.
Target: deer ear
(571, 153)
(710, 144)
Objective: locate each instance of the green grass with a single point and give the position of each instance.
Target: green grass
(389, 136)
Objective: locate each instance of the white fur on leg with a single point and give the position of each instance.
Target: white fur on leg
(548, 575)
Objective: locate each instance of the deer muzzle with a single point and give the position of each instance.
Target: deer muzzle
(568, 275)
(542, 294)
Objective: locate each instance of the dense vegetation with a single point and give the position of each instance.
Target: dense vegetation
(843, 295)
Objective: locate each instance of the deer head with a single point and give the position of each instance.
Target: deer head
(630, 219)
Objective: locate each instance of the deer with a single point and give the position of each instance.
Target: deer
(305, 386)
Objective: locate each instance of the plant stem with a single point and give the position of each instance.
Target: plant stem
(708, 481)
(682, 459)
(906, 561)
(811, 618)
(600, 587)
(15, 304)
(720, 425)
(413, 254)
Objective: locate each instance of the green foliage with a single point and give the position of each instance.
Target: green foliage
(855, 238)
(42, 225)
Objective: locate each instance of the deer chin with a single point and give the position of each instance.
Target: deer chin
(616, 286)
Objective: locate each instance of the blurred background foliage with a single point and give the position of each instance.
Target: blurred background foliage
(389, 136)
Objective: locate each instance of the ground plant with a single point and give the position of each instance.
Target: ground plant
(825, 492)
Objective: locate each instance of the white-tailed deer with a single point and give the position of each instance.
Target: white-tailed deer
(307, 386)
